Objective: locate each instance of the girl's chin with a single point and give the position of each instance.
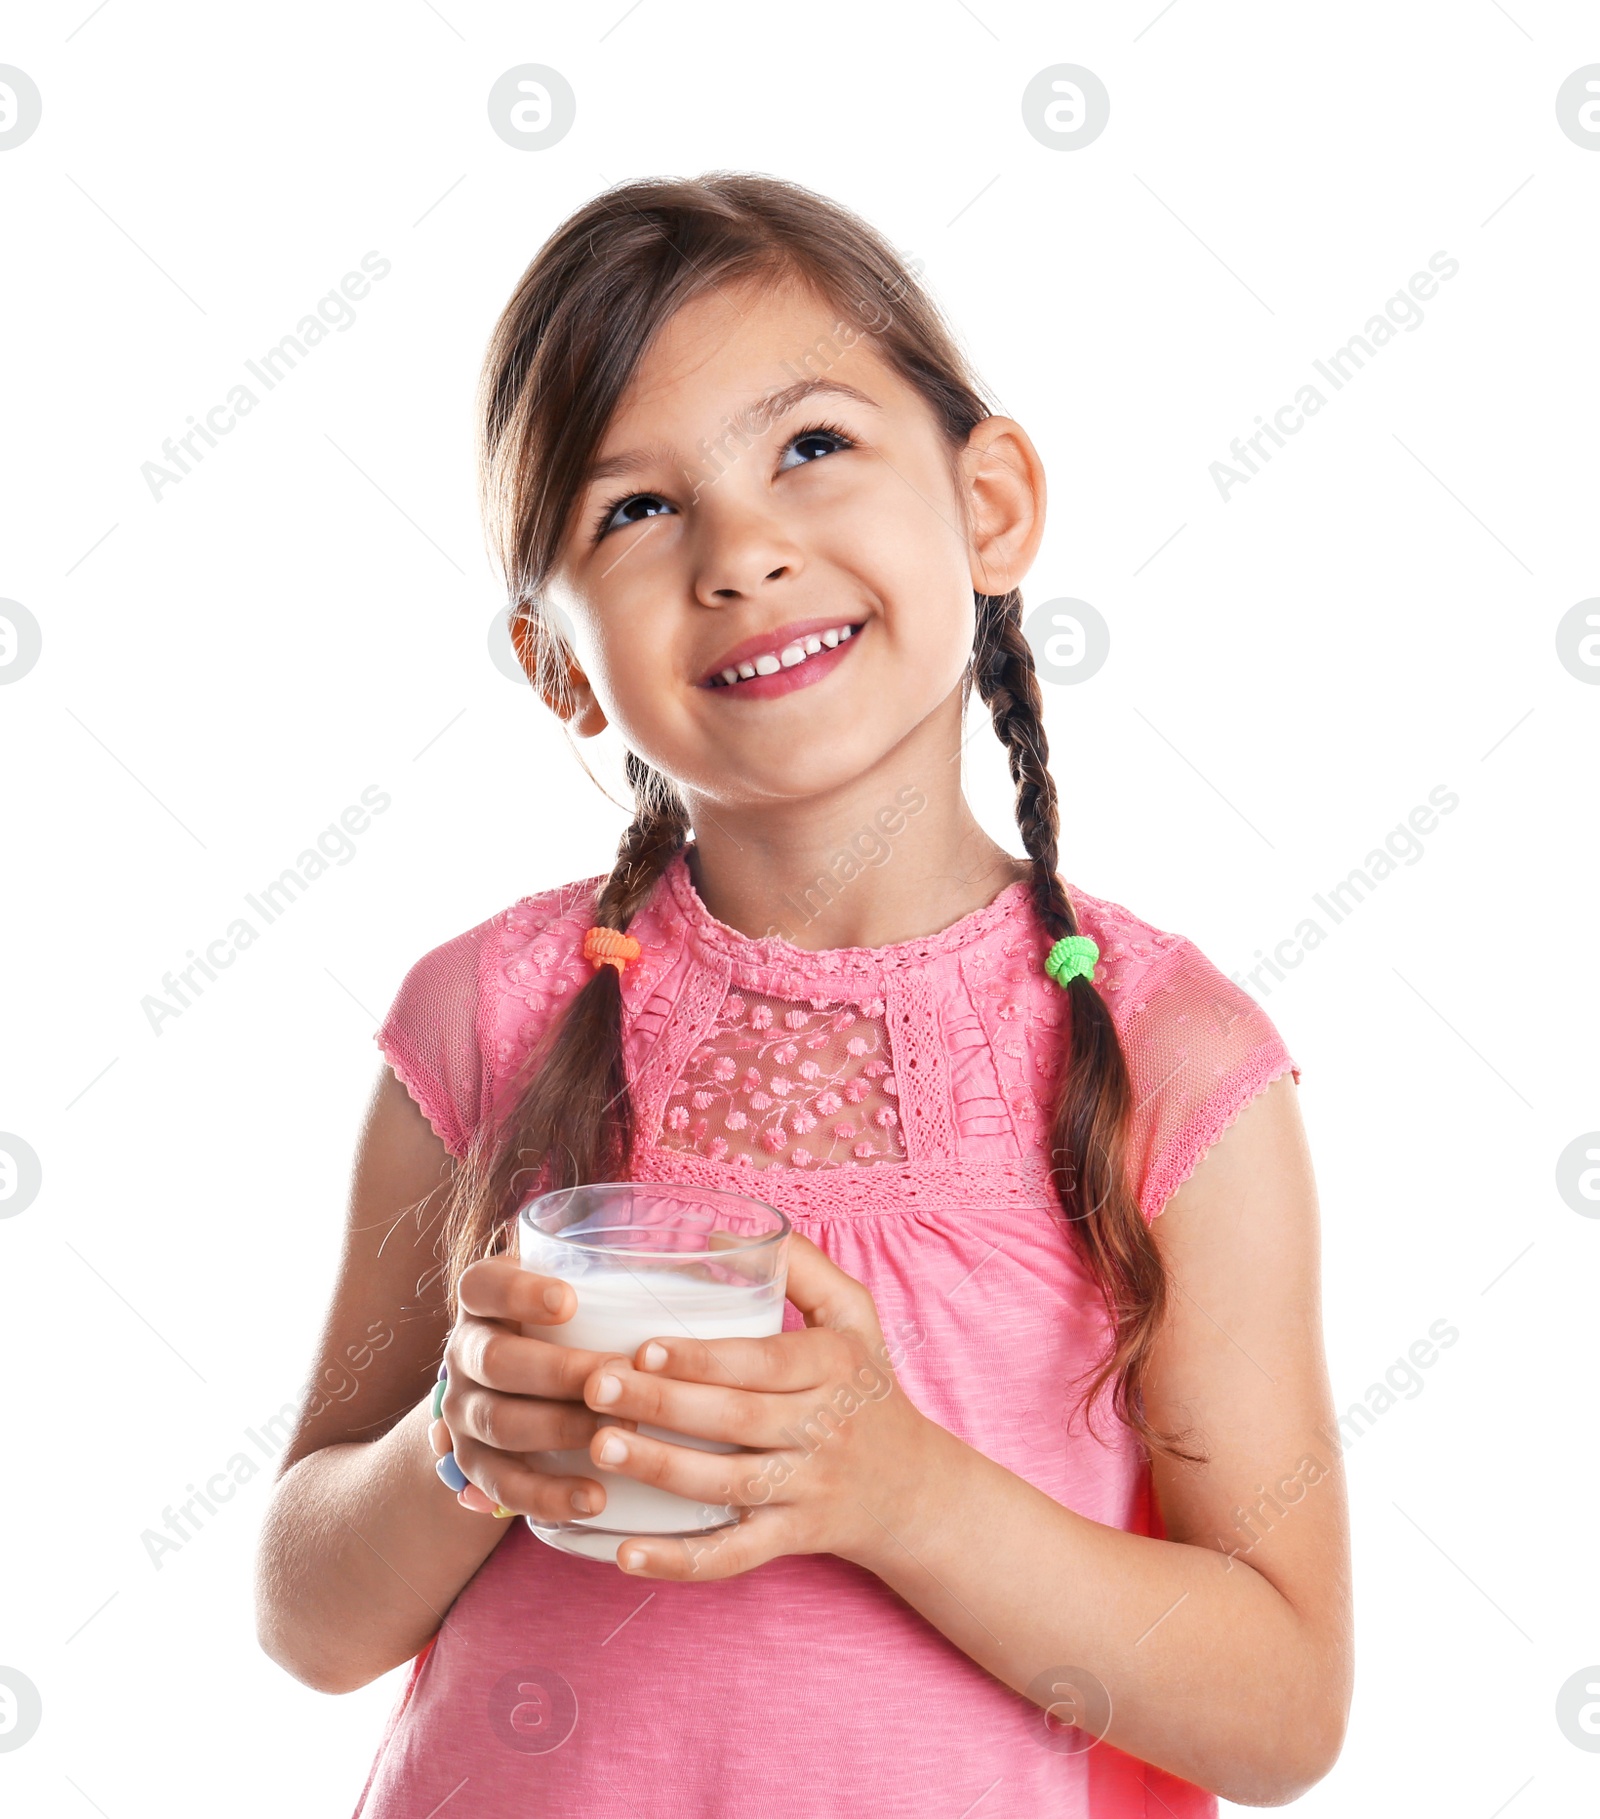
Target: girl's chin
(755, 778)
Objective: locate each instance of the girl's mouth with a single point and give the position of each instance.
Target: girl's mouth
(791, 664)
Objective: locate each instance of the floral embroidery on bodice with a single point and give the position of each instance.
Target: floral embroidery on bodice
(806, 1083)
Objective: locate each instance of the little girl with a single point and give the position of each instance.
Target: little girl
(1081, 1548)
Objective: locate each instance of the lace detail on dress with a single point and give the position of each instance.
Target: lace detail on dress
(983, 1190)
(1025, 1014)
(666, 1031)
(807, 1082)
(433, 1040)
(781, 966)
(1126, 941)
(541, 967)
(924, 1080)
(1199, 1050)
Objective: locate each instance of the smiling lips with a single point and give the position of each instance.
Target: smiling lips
(775, 662)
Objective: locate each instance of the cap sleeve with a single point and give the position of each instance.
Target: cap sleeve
(433, 1037)
(1199, 1049)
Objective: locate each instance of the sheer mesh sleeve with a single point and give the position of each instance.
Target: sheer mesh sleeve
(1199, 1049)
(432, 1037)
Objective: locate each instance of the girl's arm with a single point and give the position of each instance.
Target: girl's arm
(363, 1549)
(1226, 1649)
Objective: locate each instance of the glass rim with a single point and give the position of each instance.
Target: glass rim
(782, 1231)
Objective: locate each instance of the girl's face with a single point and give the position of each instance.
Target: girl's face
(768, 486)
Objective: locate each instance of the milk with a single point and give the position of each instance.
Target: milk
(617, 1311)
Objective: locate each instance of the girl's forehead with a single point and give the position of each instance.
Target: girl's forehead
(735, 344)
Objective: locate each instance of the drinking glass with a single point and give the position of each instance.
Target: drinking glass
(650, 1260)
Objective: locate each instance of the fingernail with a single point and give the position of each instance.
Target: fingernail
(583, 1502)
(553, 1297)
(654, 1356)
(501, 1510)
(612, 1450)
(632, 1558)
(607, 1390)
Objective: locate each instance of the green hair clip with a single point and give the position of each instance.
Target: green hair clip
(1071, 955)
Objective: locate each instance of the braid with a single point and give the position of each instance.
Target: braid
(573, 1118)
(659, 828)
(1009, 684)
(1089, 1123)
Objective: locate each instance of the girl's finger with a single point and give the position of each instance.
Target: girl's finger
(779, 1362)
(483, 1352)
(736, 1478)
(757, 1538)
(499, 1288)
(515, 1485)
(520, 1424)
(477, 1501)
(707, 1411)
(826, 1295)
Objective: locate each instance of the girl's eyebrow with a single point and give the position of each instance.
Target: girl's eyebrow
(776, 403)
(750, 421)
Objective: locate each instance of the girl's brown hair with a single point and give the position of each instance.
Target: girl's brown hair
(560, 357)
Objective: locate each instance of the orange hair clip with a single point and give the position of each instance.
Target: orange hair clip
(609, 947)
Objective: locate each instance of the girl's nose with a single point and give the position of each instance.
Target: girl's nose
(738, 560)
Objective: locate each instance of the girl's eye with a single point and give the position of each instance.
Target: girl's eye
(631, 510)
(810, 444)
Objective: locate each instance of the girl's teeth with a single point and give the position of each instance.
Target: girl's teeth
(768, 664)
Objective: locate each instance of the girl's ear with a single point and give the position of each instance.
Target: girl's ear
(1004, 478)
(576, 704)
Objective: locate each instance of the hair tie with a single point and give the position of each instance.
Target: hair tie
(609, 947)
(1071, 957)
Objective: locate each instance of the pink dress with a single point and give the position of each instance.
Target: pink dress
(892, 1102)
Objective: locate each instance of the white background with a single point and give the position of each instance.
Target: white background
(307, 613)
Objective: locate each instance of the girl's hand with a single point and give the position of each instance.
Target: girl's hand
(835, 1445)
(510, 1395)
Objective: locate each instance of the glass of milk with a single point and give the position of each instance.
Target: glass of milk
(647, 1261)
